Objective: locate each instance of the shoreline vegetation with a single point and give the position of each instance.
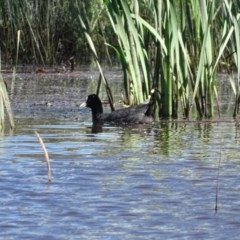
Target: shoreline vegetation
(174, 47)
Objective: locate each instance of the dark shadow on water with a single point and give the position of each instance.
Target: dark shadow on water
(97, 127)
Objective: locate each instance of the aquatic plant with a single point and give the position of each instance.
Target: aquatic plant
(176, 47)
(51, 33)
(186, 52)
(232, 58)
(102, 76)
(5, 104)
(130, 50)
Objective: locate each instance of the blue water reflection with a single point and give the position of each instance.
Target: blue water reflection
(124, 182)
(120, 183)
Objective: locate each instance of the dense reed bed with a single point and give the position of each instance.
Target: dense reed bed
(175, 47)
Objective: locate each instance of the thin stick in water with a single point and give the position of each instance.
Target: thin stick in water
(46, 156)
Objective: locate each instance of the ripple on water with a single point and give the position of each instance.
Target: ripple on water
(122, 183)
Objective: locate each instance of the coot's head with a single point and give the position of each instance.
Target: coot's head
(94, 103)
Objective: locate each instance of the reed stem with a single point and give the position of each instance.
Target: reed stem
(46, 157)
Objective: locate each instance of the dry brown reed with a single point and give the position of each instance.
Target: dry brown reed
(46, 156)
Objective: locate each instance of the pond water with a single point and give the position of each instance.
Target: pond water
(125, 182)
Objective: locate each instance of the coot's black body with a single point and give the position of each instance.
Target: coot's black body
(139, 114)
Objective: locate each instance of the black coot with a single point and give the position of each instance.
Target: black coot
(139, 114)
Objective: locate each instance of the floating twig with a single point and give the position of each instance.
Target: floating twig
(46, 156)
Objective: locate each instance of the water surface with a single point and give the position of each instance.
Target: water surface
(125, 182)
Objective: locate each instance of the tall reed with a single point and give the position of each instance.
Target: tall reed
(5, 104)
(232, 58)
(185, 56)
(175, 47)
(102, 76)
(51, 33)
(130, 49)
